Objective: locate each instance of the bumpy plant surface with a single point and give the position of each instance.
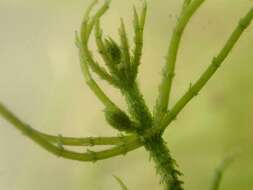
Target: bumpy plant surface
(139, 126)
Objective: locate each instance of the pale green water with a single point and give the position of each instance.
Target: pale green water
(40, 80)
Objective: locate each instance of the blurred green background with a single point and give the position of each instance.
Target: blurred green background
(40, 80)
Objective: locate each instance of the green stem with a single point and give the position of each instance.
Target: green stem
(204, 78)
(169, 70)
(153, 142)
(86, 29)
(194, 90)
(213, 67)
(138, 39)
(166, 166)
(124, 45)
(91, 82)
(86, 141)
(137, 106)
(60, 150)
(103, 51)
(186, 4)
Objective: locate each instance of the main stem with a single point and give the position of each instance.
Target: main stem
(136, 106)
(165, 165)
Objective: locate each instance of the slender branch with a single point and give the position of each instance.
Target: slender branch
(100, 43)
(94, 86)
(213, 67)
(91, 82)
(59, 150)
(136, 103)
(90, 7)
(95, 18)
(138, 39)
(86, 141)
(204, 78)
(86, 29)
(76, 141)
(125, 49)
(86, 58)
(169, 70)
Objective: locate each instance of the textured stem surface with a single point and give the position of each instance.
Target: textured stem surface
(166, 166)
(137, 106)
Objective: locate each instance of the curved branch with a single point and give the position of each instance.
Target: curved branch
(59, 150)
(86, 29)
(86, 58)
(91, 82)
